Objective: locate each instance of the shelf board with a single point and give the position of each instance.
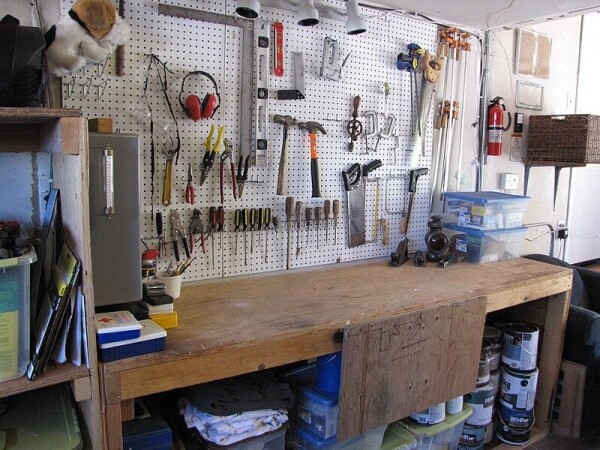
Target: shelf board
(54, 374)
(50, 130)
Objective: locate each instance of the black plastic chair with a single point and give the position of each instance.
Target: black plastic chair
(582, 334)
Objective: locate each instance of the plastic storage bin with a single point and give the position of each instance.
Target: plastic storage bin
(318, 410)
(485, 210)
(273, 440)
(442, 436)
(148, 433)
(14, 315)
(488, 246)
(397, 438)
(300, 438)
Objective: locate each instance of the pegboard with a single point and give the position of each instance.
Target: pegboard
(188, 45)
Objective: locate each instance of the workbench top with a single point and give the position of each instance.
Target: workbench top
(229, 327)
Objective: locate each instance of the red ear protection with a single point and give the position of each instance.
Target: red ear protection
(193, 107)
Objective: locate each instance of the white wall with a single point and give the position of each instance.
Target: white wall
(559, 96)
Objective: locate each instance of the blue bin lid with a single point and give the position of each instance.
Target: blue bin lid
(485, 196)
(318, 396)
(313, 439)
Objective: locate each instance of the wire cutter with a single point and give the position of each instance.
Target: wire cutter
(227, 154)
(210, 152)
(190, 194)
(242, 177)
(177, 231)
(197, 227)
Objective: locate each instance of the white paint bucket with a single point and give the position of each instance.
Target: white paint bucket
(520, 342)
(454, 405)
(431, 416)
(517, 389)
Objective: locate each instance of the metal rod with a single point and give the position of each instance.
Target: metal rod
(483, 108)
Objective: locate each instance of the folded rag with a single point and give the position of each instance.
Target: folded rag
(225, 430)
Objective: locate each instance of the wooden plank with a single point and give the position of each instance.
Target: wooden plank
(571, 400)
(35, 115)
(82, 389)
(434, 354)
(114, 435)
(127, 410)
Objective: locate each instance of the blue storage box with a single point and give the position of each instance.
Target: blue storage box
(487, 246)
(152, 339)
(149, 433)
(485, 210)
(318, 410)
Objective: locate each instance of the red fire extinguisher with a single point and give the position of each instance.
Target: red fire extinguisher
(495, 125)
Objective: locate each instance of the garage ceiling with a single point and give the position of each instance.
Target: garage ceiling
(490, 14)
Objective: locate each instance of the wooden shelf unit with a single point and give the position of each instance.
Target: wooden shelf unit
(231, 327)
(62, 133)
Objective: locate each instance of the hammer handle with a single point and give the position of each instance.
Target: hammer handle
(281, 177)
(314, 166)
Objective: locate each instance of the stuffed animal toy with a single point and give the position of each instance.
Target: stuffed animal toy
(89, 33)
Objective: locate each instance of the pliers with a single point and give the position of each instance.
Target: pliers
(242, 177)
(190, 194)
(177, 231)
(197, 227)
(227, 154)
(210, 152)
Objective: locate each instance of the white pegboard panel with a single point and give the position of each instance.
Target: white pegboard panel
(188, 45)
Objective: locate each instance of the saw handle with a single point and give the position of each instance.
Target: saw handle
(166, 194)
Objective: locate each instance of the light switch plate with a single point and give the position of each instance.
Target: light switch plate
(509, 181)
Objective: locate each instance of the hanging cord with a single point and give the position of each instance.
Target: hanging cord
(154, 61)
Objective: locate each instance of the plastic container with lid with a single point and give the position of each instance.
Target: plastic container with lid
(397, 438)
(442, 436)
(14, 315)
(489, 246)
(485, 210)
(318, 410)
(299, 437)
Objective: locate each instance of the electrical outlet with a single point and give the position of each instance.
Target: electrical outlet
(561, 223)
(562, 231)
(509, 181)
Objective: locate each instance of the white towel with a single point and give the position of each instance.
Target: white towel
(225, 430)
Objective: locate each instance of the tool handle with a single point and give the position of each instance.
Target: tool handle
(222, 181)
(317, 215)
(355, 105)
(282, 175)
(299, 209)
(166, 194)
(261, 216)
(267, 218)
(308, 216)
(159, 224)
(253, 218)
(233, 180)
(212, 217)
(244, 219)
(220, 218)
(175, 250)
(336, 208)
(314, 176)
(289, 210)
(327, 208)
(237, 218)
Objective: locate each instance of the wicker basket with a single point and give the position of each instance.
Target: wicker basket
(570, 138)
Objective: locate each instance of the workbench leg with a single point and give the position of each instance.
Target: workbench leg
(114, 427)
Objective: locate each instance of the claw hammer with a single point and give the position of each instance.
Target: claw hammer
(287, 122)
(313, 128)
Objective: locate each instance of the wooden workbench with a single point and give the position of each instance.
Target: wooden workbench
(231, 327)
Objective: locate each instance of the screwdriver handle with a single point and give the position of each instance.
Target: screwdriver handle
(336, 209)
(308, 216)
(299, 208)
(289, 211)
(159, 224)
(260, 218)
(317, 214)
(253, 217)
(327, 209)
(244, 219)
(238, 219)
(220, 218)
(212, 216)
(267, 217)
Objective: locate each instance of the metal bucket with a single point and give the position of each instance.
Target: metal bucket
(494, 335)
(520, 342)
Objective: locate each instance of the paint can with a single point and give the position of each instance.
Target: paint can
(483, 374)
(472, 437)
(495, 377)
(482, 402)
(454, 405)
(517, 389)
(494, 335)
(512, 435)
(520, 342)
(431, 416)
(489, 433)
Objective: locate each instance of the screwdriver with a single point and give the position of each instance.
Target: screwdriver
(212, 219)
(253, 214)
(299, 208)
(327, 211)
(238, 224)
(267, 222)
(260, 225)
(245, 227)
(308, 220)
(220, 224)
(162, 248)
(336, 212)
(317, 221)
(289, 211)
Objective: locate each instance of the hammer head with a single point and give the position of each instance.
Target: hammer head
(286, 121)
(312, 127)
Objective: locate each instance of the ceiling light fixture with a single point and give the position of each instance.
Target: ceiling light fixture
(307, 13)
(248, 8)
(355, 24)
